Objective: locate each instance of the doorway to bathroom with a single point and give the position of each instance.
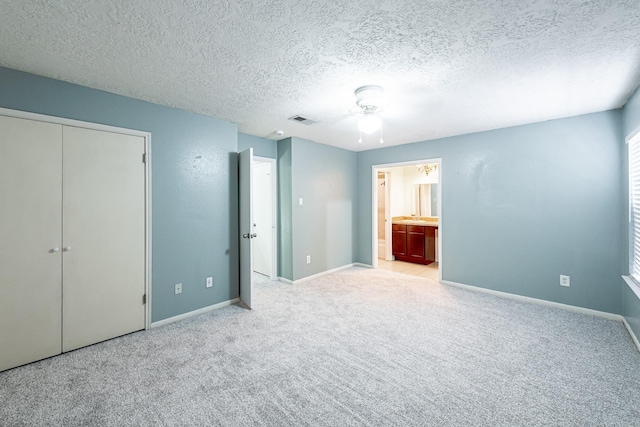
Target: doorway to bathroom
(407, 218)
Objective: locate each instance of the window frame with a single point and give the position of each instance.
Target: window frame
(633, 198)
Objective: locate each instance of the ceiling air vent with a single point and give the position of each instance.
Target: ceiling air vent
(303, 120)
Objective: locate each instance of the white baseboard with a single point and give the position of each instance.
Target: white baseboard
(633, 335)
(359, 264)
(515, 297)
(323, 273)
(194, 313)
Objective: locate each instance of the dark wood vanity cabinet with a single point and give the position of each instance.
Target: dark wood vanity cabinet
(414, 243)
(399, 240)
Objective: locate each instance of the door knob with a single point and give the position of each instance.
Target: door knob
(246, 236)
(55, 250)
(67, 248)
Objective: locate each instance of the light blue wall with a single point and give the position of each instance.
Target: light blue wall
(262, 147)
(523, 205)
(285, 204)
(194, 184)
(630, 301)
(324, 226)
(325, 178)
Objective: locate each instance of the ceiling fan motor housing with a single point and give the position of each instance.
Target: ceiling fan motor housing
(369, 98)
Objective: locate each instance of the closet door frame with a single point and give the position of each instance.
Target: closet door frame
(147, 180)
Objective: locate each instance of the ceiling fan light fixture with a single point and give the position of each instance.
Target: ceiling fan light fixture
(369, 124)
(369, 101)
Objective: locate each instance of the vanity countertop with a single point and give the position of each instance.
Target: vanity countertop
(428, 221)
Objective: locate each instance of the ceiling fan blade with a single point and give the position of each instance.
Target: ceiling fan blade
(338, 118)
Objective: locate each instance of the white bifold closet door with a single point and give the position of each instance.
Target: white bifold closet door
(30, 238)
(103, 236)
(72, 222)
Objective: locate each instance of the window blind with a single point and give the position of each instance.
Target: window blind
(634, 207)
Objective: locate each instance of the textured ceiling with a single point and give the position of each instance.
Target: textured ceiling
(448, 67)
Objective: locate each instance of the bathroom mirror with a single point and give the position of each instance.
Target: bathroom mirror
(425, 200)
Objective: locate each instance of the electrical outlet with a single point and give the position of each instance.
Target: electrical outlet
(308, 259)
(178, 288)
(565, 281)
(209, 282)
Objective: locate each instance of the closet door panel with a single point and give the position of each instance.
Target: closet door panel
(30, 229)
(103, 236)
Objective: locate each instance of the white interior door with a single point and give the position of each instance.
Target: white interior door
(263, 217)
(103, 236)
(30, 219)
(245, 185)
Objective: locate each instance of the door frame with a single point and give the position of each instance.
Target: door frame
(274, 213)
(387, 216)
(388, 253)
(147, 177)
(374, 206)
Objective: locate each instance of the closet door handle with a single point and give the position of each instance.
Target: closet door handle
(55, 250)
(67, 248)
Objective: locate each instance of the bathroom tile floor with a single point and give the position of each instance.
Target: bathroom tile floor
(427, 271)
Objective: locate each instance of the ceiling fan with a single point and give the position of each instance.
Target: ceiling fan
(367, 109)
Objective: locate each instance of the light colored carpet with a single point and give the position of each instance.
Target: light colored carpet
(358, 347)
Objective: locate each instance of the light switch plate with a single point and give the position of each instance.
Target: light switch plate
(565, 280)
(178, 288)
(209, 282)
